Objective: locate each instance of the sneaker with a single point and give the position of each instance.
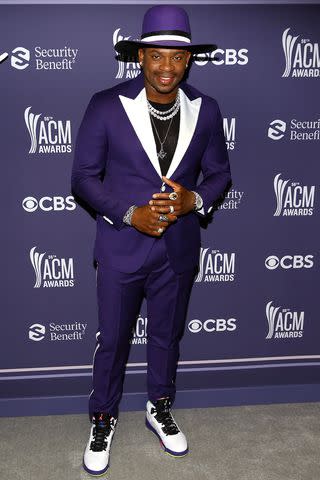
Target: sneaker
(161, 422)
(96, 455)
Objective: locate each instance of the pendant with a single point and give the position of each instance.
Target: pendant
(162, 153)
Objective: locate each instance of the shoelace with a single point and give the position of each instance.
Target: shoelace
(163, 415)
(100, 433)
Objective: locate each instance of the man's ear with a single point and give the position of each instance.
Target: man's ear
(141, 55)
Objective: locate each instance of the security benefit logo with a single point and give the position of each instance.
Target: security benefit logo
(213, 325)
(302, 58)
(231, 200)
(41, 58)
(139, 331)
(126, 69)
(229, 128)
(284, 322)
(294, 130)
(48, 135)
(20, 58)
(215, 266)
(51, 271)
(288, 262)
(57, 332)
(277, 129)
(293, 199)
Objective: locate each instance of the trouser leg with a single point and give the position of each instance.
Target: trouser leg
(119, 300)
(167, 295)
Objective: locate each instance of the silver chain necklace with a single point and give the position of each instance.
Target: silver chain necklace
(160, 115)
(161, 154)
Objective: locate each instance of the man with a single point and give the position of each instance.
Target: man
(140, 149)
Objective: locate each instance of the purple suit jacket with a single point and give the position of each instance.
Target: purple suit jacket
(116, 166)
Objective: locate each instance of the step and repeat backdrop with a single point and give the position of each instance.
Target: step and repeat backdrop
(254, 305)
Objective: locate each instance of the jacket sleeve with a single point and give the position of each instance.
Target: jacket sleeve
(89, 165)
(214, 166)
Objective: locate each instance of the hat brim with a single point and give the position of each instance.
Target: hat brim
(130, 47)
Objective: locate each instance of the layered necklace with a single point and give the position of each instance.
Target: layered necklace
(163, 116)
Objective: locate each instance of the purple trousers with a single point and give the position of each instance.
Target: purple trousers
(119, 300)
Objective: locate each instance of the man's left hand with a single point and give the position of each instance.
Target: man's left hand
(183, 204)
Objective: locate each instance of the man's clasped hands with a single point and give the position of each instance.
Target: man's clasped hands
(154, 218)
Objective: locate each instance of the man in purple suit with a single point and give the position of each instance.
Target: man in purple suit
(140, 149)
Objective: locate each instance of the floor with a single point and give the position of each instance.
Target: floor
(265, 442)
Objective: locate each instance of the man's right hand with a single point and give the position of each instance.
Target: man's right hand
(147, 221)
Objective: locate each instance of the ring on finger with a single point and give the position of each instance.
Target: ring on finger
(163, 218)
(171, 207)
(173, 196)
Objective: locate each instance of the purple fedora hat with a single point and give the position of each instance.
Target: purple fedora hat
(164, 26)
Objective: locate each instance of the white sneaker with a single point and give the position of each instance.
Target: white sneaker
(161, 422)
(96, 455)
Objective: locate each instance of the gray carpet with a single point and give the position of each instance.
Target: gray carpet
(273, 442)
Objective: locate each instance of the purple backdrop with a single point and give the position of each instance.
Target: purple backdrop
(252, 328)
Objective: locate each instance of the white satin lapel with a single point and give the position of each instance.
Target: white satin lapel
(189, 113)
(138, 114)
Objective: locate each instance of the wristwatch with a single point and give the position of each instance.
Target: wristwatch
(198, 202)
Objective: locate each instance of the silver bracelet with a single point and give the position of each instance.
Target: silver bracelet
(128, 215)
(198, 202)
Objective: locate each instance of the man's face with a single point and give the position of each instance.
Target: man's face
(163, 69)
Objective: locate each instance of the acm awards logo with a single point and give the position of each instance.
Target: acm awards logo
(229, 128)
(139, 331)
(51, 271)
(57, 332)
(284, 322)
(302, 57)
(125, 69)
(293, 199)
(294, 130)
(213, 325)
(45, 58)
(215, 266)
(48, 135)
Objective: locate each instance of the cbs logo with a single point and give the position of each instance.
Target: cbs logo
(47, 204)
(289, 261)
(212, 325)
(229, 56)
